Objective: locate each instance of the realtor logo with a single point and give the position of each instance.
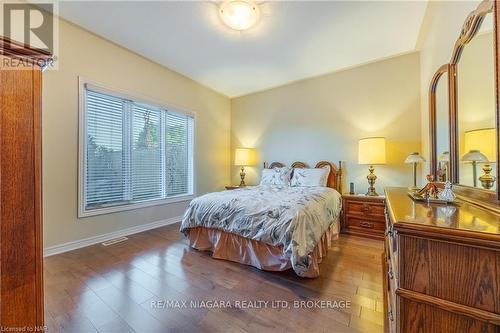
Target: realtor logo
(30, 24)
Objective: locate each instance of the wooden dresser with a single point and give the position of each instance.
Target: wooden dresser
(363, 216)
(442, 266)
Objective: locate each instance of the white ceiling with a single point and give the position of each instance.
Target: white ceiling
(293, 40)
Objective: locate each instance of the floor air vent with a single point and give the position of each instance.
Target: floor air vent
(114, 241)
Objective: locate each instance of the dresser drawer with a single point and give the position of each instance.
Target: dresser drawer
(391, 240)
(364, 208)
(392, 309)
(390, 294)
(366, 224)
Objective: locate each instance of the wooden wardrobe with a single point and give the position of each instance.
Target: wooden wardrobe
(21, 266)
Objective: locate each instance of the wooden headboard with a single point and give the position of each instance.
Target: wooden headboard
(334, 177)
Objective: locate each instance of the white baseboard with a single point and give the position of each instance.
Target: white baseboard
(65, 247)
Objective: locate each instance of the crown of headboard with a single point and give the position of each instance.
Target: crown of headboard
(334, 177)
(274, 165)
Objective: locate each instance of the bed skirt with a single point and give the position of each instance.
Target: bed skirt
(228, 246)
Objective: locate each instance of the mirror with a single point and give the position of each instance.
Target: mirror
(442, 128)
(439, 115)
(476, 110)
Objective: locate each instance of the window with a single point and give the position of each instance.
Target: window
(133, 154)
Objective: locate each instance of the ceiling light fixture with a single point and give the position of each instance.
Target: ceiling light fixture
(239, 14)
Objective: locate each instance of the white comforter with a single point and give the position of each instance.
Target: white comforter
(292, 217)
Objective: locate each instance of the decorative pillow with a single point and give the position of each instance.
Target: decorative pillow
(276, 176)
(310, 177)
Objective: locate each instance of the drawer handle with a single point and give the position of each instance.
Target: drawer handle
(390, 232)
(366, 208)
(366, 224)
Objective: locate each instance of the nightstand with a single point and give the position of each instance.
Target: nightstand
(232, 187)
(363, 215)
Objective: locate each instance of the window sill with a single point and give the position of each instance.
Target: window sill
(82, 213)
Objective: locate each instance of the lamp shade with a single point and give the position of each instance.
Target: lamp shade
(444, 157)
(483, 140)
(474, 156)
(414, 158)
(371, 151)
(244, 156)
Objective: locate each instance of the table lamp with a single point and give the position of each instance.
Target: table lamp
(414, 158)
(244, 157)
(371, 151)
(481, 148)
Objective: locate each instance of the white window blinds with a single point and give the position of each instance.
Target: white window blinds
(147, 163)
(105, 170)
(134, 152)
(179, 153)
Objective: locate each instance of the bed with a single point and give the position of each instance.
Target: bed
(270, 227)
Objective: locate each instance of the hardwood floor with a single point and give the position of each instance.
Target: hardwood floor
(120, 288)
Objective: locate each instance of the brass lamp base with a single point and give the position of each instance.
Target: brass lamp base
(487, 180)
(242, 176)
(371, 181)
(414, 188)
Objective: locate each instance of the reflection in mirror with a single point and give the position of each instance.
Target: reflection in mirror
(442, 128)
(443, 169)
(476, 110)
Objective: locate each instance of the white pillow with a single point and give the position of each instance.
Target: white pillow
(276, 176)
(310, 177)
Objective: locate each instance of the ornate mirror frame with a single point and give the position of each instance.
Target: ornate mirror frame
(469, 30)
(433, 114)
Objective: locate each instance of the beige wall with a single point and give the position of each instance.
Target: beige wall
(84, 54)
(323, 118)
(440, 30)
